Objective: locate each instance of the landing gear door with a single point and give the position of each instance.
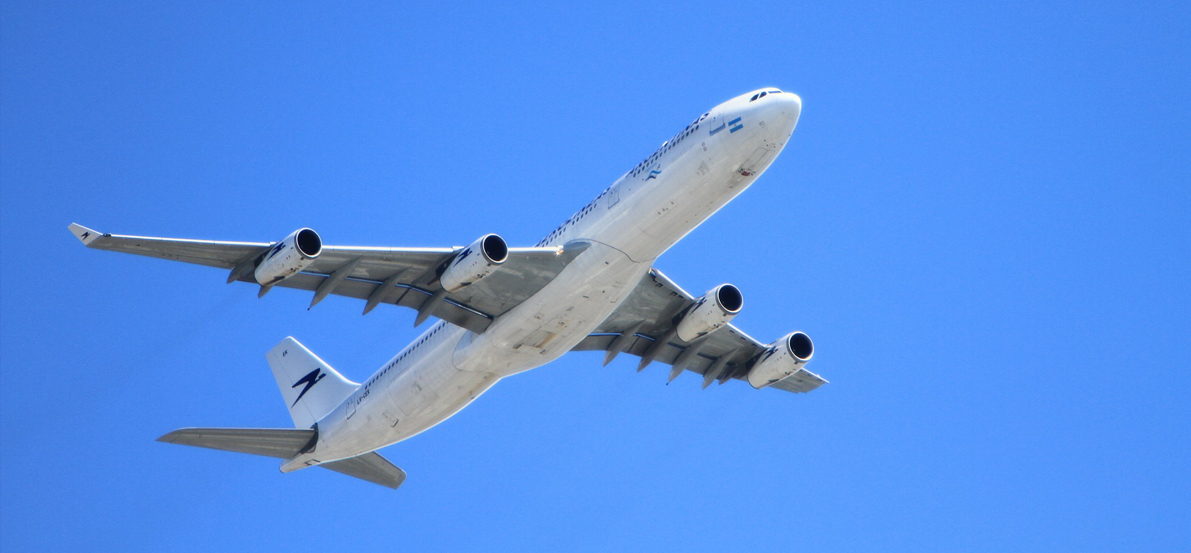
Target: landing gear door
(755, 162)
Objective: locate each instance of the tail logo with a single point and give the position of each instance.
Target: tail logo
(309, 380)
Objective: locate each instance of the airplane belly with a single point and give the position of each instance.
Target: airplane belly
(558, 317)
(425, 404)
(465, 365)
(428, 393)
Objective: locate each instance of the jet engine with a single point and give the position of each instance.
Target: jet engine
(712, 311)
(475, 262)
(288, 257)
(783, 358)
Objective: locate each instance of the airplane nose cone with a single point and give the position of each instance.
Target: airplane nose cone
(787, 108)
(777, 111)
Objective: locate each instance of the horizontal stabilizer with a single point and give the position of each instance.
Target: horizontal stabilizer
(371, 467)
(286, 443)
(282, 443)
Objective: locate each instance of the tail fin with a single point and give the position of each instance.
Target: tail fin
(285, 443)
(310, 387)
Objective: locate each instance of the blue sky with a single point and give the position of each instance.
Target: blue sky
(983, 220)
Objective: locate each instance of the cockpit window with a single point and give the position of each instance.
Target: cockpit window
(762, 94)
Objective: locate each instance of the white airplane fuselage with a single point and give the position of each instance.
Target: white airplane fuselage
(630, 224)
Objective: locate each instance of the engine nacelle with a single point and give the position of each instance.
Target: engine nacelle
(784, 358)
(475, 262)
(288, 257)
(718, 306)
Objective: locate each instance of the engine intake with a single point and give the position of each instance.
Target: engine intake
(783, 358)
(715, 309)
(288, 257)
(474, 262)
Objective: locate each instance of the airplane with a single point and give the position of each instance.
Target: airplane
(589, 285)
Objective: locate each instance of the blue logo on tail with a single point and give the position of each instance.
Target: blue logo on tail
(309, 380)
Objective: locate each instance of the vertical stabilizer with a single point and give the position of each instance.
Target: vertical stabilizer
(309, 386)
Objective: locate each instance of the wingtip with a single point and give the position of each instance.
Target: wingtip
(84, 234)
(169, 437)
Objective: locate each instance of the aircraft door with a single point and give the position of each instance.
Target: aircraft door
(714, 125)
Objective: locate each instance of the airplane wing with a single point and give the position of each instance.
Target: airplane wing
(394, 276)
(644, 325)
